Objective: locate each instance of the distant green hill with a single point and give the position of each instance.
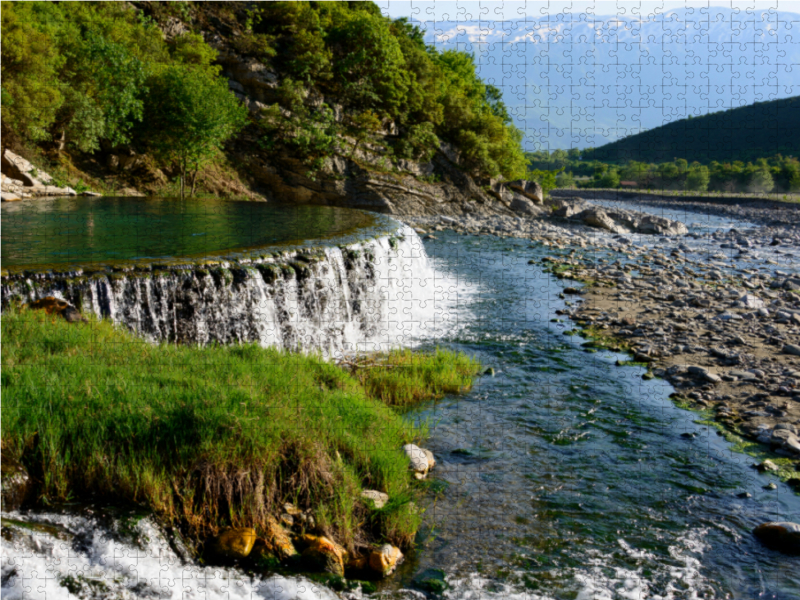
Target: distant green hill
(759, 130)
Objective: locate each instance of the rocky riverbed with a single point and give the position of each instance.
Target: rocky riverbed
(716, 311)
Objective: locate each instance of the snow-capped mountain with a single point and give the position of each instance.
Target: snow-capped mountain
(579, 80)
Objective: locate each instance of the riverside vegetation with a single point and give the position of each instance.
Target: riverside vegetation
(216, 439)
(91, 89)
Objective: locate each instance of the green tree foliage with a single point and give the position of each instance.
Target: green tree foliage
(80, 73)
(190, 114)
(31, 94)
(742, 133)
(698, 178)
(370, 69)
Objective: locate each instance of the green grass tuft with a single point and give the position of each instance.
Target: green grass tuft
(214, 436)
(402, 378)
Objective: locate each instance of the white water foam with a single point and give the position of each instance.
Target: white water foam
(78, 558)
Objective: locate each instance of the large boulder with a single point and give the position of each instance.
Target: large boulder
(661, 226)
(16, 167)
(529, 189)
(595, 216)
(782, 536)
(523, 205)
(567, 207)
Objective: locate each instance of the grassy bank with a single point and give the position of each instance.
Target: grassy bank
(208, 437)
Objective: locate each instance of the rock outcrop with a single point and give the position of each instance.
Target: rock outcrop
(615, 220)
(20, 179)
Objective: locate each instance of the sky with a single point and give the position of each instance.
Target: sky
(570, 81)
(426, 10)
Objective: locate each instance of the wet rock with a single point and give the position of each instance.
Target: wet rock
(16, 484)
(55, 306)
(385, 559)
(767, 465)
(781, 536)
(378, 499)
(9, 197)
(234, 543)
(275, 542)
(418, 460)
(324, 555)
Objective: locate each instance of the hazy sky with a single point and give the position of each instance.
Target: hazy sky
(425, 10)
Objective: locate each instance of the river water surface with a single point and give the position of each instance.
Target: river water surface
(565, 476)
(560, 476)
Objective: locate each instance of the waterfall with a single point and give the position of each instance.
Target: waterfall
(365, 296)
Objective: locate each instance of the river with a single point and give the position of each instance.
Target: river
(560, 476)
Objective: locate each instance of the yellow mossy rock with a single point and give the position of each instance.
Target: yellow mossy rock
(324, 555)
(235, 542)
(385, 559)
(276, 542)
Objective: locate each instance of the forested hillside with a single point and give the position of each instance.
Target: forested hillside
(739, 134)
(149, 93)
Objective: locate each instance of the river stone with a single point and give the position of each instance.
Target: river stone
(418, 460)
(751, 301)
(791, 349)
(704, 373)
(767, 465)
(9, 197)
(234, 543)
(782, 536)
(430, 458)
(16, 484)
(325, 555)
(379, 499)
(385, 559)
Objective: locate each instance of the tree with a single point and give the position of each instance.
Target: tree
(698, 178)
(610, 179)
(761, 180)
(31, 94)
(190, 114)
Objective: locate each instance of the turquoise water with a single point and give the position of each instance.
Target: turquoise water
(565, 476)
(46, 233)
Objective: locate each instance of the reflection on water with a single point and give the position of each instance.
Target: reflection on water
(90, 230)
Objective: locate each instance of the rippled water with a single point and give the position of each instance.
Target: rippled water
(564, 476)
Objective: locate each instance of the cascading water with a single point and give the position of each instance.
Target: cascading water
(366, 296)
(54, 556)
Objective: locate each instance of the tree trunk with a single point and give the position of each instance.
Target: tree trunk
(183, 177)
(194, 180)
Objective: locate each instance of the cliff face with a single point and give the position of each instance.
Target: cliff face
(359, 175)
